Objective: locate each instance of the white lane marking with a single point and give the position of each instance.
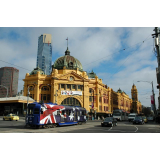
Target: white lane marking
(110, 128)
(137, 129)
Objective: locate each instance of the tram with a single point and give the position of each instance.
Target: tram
(51, 115)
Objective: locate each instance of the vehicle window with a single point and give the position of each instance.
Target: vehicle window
(63, 112)
(116, 114)
(58, 113)
(30, 111)
(67, 112)
(13, 115)
(36, 111)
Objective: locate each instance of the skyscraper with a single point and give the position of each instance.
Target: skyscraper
(44, 55)
(8, 80)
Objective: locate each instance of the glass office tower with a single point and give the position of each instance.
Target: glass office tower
(44, 55)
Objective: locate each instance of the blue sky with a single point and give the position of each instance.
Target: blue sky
(117, 55)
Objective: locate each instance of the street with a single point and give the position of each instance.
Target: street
(89, 127)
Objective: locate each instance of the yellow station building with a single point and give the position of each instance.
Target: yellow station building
(68, 84)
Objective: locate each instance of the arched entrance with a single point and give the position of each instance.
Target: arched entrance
(71, 101)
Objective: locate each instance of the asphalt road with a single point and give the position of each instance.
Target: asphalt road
(89, 127)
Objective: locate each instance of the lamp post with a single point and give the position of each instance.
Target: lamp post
(7, 90)
(152, 94)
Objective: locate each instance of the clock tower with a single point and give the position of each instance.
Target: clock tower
(134, 93)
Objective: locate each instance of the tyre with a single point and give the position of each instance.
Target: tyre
(3, 119)
(102, 125)
(10, 119)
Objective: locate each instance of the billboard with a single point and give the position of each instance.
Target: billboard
(71, 93)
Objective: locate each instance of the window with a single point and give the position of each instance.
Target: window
(79, 86)
(68, 86)
(30, 111)
(45, 88)
(73, 86)
(67, 112)
(58, 113)
(62, 85)
(36, 111)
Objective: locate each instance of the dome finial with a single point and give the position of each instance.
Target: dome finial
(67, 52)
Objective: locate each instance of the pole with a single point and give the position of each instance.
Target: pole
(154, 99)
(27, 103)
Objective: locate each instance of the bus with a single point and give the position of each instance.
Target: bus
(120, 114)
(50, 115)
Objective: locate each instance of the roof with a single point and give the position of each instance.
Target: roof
(20, 99)
(36, 70)
(67, 61)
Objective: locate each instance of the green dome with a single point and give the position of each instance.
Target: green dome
(67, 61)
(36, 70)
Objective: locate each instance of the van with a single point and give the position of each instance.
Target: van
(131, 116)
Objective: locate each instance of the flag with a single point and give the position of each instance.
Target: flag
(92, 105)
(152, 99)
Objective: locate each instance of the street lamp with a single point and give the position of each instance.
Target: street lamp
(7, 90)
(152, 94)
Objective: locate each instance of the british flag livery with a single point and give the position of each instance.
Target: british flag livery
(49, 113)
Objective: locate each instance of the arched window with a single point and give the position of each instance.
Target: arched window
(71, 101)
(45, 88)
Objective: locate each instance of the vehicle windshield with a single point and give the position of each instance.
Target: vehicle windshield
(138, 118)
(13, 115)
(131, 116)
(30, 110)
(144, 117)
(108, 119)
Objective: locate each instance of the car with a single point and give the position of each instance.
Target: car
(145, 119)
(138, 120)
(109, 121)
(11, 117)
(150, 118)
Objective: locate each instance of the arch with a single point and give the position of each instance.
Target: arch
(71, 101)
(44, 88)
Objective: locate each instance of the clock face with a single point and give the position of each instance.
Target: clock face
(71, 78)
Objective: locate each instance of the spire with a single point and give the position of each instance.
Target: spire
(67, 52)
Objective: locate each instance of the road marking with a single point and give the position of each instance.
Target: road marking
(110, 128)
(137, 129)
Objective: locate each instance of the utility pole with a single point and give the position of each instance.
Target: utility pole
(157, 44)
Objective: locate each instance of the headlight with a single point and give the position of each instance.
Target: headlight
(110, 122)
(101, 122)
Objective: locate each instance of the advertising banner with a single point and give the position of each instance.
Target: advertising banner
(71, 93)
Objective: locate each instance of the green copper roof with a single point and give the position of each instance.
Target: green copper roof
(36, 70)
(119, 91)
(91, 74)
(67, 61)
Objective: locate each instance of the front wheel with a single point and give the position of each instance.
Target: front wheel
(3, 119)
(10, 119)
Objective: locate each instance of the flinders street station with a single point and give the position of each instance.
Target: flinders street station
(69, 85)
